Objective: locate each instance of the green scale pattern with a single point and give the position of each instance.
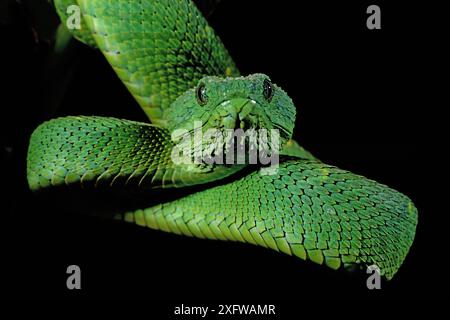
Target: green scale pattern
(308, 209)
(105, 152)
(160, 49)
(163, 49)
(97, 150)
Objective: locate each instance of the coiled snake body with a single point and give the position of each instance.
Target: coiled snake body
(180, 72)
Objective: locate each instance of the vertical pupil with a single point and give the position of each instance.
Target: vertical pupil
(267, 89)
(201, 94)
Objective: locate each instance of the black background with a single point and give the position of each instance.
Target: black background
(355, 92)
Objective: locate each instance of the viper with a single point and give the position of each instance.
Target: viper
(180, 73)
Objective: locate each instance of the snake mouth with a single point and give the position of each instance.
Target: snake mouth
(231, 114)
(246, 130)
(247, 114)
(238, 113)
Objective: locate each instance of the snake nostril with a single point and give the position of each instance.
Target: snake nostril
(245, 124)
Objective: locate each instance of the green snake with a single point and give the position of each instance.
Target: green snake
(180, 73)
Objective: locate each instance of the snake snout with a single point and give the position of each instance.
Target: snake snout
(237, 113)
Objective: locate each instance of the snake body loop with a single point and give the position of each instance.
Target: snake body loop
(179, 71)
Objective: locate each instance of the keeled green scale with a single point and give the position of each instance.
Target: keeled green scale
(160, 49)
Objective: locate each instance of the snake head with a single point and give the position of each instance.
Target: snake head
(226, 106)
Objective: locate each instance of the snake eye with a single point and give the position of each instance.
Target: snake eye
(267, 90)
(202, 98)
